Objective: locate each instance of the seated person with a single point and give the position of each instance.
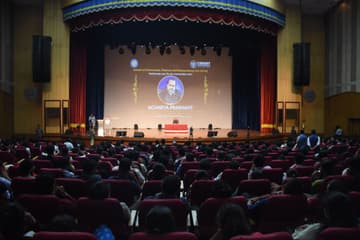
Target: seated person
(231, 221)
(338, 212)
(160, 220)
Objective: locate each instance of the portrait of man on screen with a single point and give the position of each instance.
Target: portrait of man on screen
(170, 90)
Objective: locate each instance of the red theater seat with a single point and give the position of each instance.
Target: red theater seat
(164, 236)
(260, 236)
(336, 233)
(64, 236)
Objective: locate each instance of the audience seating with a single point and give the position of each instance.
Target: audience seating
(44, 207)
(43, 235)
(281, 213)
(260, 236)
(164, 236)
(207, 213)
(178, 207)
(150, 188)
(200, 190)
(23, 185)
(123, 190)
(336, 233)
(74, 186)
(255, 187)
(274, 175)
(92, 213)
(234, 176)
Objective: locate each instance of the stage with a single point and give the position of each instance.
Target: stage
(153, 134)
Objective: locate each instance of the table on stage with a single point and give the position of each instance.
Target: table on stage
(176, 128)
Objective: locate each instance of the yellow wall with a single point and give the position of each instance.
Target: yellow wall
(314, 33)
(290, 34)
(55, 27)
(340, 108)
(311, 30)
(27, 112)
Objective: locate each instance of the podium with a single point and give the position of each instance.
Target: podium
(100, 130)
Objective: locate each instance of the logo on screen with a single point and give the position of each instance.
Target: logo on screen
(170, 90)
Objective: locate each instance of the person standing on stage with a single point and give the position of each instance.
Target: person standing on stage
(92, 121)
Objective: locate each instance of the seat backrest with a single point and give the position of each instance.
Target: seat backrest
(7, 157)
(260, 236)
(150, 188)
(93, 213)
(208, 211)
(304, 170)
(42, 207)
(189, 178)
(74, 186)
(255, 187)
(234, 176)
(178, 208)
(39, 163)
(274, 174)
(282, 212)
(200, 190)
(123, 190)
(55, 172)
(336, 233)
(219, 166)
(164, 236)
(64, 236)
(284, 164)
(23, 185)
(186, 165)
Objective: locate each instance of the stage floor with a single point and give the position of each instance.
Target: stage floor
(199, 135)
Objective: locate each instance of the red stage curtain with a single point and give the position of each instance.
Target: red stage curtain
(268, 85)
(78, 83)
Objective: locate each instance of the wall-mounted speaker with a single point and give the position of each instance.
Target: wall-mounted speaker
(41, 59)
(139, 134)
(136, 127)
(159, 126)
(301, 64)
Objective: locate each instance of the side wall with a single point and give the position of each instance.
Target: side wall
(302, 29)
(6, 80)
(27, 107)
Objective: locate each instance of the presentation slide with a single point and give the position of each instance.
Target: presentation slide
(152, 89)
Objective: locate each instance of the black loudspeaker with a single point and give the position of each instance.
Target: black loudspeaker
(159, 126)
(41, 59)
(120, 133)
(301, 64)
(232, 134)
(210, 127)
(212, 133)
(139, 134)
(136, 127)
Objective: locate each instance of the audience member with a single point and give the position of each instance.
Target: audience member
(231, 221)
